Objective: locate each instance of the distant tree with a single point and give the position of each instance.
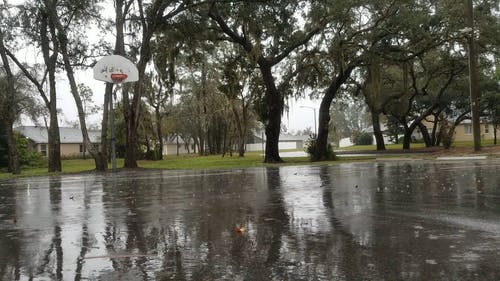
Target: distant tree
(156, 97)
(431, 78)
(4, 146)
(67, 20)
(353, 32)
(362, 138)
(308, 131)
(394, 129)
(235, 86)
(8, 104)
(148, 20)
(267, 38)
(348, 115)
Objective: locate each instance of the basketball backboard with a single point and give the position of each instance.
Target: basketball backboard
(117, 66)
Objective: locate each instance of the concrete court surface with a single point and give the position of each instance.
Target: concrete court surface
(388, 220)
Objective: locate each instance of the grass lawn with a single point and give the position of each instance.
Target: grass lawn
(188, 162)
(182, 162)
(374, 147)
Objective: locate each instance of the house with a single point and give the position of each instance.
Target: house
(463, 131)
(71, 139)
(285, 142)
(383, 129)
(175, 145)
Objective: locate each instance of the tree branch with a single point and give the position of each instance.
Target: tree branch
(215, 15)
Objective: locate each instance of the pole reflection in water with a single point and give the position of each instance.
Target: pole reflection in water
(366, 221)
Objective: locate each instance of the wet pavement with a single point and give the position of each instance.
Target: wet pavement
(417, 220)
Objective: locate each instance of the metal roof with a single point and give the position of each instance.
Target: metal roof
(39, 134)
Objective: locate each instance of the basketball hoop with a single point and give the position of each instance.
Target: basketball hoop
(118, 77)
(115, 69)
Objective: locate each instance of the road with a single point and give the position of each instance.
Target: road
(394, 220)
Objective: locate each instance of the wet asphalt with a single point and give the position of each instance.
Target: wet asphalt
(393, 220)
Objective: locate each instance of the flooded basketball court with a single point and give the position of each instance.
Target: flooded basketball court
(415, 220)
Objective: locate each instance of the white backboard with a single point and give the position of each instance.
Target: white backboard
(118, 65)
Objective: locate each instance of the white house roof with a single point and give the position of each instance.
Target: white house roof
(39, 134)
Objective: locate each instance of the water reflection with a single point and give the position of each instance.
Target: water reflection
(370, 221)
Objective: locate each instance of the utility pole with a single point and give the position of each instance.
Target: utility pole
(476, 129)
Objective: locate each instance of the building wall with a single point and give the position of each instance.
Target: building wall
(67, 149)
(281, 145)
(463, 132)
(171, 149)
(70, 149)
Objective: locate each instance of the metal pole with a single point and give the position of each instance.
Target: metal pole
(112, 121)
(315, 126)
(476, 129)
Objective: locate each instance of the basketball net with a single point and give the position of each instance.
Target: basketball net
(117, 80)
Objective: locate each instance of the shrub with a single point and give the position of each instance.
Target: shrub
(28, 157)
(362, 138)
(310, 147)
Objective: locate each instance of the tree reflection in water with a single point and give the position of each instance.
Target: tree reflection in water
(365, 221)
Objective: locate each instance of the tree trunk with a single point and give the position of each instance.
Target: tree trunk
(434, 137)
(407, 137)
(274, 104)
(425, 135)
(241, 125)
(495, 134)
(159, 152)
(104, 128)
(100, 162)
(130, 159)
(134, 109)
(177, 144)
(373, 98)
(9, 110)
(241, 148)
(14, 167)
(321, 151)
(201, 109)
(54, 139)
(377, 132)
(129, 111)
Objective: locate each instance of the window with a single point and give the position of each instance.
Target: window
(82, 148)
(468, 129)
(43, 149)
(486, 129)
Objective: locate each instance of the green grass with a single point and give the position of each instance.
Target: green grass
(413, 145)
(471, 143)
(194, 162)
(190, 162)
(68, 167)
(374, 147)
(182, 162)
